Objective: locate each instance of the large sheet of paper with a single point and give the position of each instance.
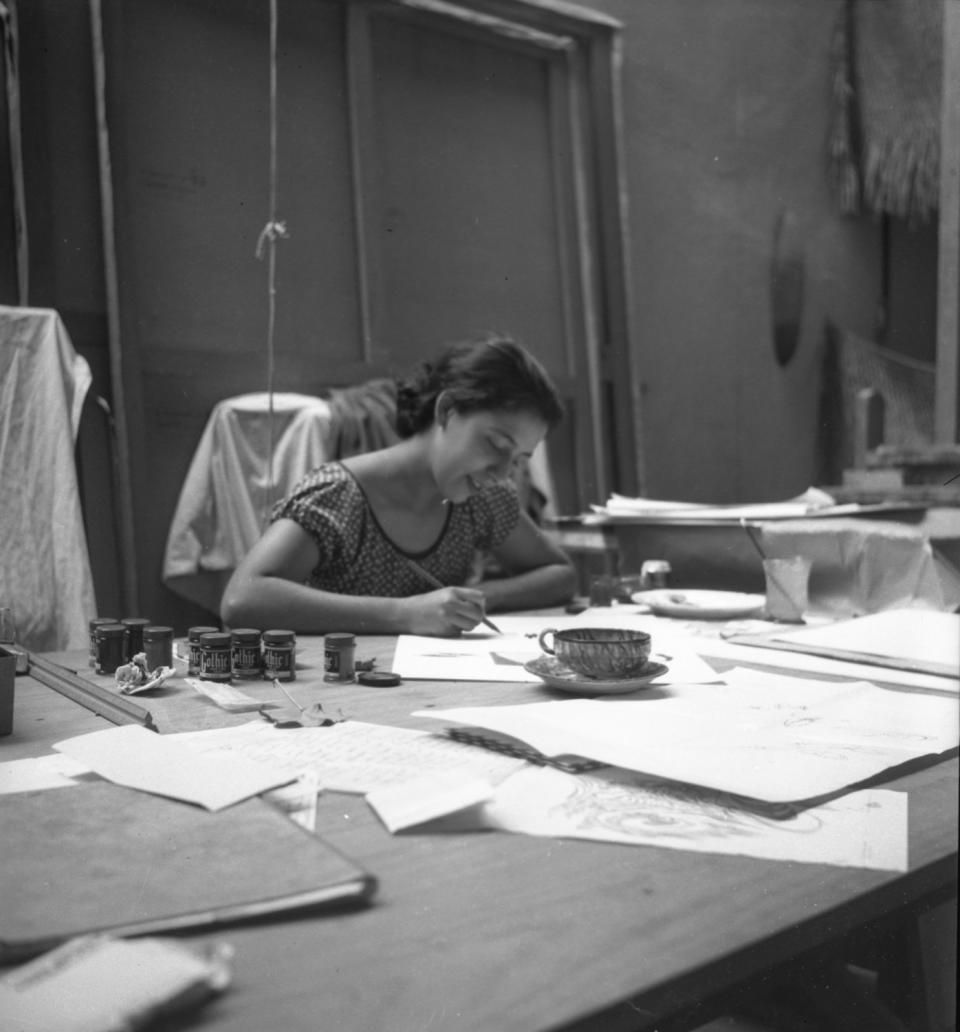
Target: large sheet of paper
(862, 829)
(353, 756)
(803, 662)
(915, 638)
(483, 655)
(777, 739)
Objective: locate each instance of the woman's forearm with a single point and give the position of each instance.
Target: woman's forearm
(267, 602)
(550, 585)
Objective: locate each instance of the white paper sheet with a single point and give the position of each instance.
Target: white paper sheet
(424, 798)
(862, 829)
(354, 756)
(482, 655)
(806, 663)
(54, 770)
(132, 756)
(902, 635)
(777, 739)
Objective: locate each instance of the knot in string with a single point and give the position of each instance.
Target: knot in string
(270, 232)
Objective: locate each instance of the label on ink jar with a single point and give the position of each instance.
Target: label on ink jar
(98, 621)
(338, 657)
(111, 647)
(215, 658)
(158, 646)
(279, 655)
(245, 652)
(194, 634)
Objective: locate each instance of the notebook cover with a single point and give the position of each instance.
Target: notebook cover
(97, 857)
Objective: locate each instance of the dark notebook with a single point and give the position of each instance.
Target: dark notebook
(97, 857)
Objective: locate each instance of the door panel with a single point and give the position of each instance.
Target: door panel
(437, 174)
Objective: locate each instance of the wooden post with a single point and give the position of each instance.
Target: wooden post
(948, 265)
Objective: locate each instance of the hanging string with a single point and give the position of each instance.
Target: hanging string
(267, 241)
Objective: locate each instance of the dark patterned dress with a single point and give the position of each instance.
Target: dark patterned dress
(357, 557)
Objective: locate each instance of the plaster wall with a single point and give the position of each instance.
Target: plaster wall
(726, 119)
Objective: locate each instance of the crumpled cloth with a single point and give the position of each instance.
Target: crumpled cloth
(860, 566)
(45, 574)
(230, 486)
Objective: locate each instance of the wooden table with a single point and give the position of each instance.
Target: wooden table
(499, 932)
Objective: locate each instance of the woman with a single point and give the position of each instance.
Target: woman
(360, 544)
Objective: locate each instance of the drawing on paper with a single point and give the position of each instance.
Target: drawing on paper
(638, 806)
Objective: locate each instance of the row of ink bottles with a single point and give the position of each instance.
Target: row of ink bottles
(212, 654)
(115, 642)
(242, 653)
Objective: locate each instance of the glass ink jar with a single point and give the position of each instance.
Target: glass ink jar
(654, 574)
(215, 656)
(245, 653)
(98, 621)
(194, 634)
(279, 655)
(135, 625)
(158, 645)
(338, 657)
(111, 647)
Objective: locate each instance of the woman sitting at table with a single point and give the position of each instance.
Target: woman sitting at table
(362, 544)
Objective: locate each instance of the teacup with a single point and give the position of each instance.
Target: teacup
(604, 653)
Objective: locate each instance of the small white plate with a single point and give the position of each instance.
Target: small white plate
(558, 675)
(701, 605)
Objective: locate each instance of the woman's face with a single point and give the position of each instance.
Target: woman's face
(475, 449)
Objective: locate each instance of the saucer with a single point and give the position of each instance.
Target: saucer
(558, 675)
(701, 605)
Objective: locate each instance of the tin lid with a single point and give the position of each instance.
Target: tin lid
(100, 620)
(245, 635)
(339, 640)
(157, 633)
(135, 621)
(215, 640)
(378, 678)
(194, 633)
(111, 630)
(277, 637)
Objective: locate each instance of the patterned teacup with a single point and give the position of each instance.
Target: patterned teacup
(605, 653)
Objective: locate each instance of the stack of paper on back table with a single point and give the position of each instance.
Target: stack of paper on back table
(771, 738)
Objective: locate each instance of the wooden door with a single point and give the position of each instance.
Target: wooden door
(443, 169)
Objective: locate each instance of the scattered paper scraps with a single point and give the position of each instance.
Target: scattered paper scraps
(132, 756)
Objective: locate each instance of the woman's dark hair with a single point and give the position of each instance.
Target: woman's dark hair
(478, 375)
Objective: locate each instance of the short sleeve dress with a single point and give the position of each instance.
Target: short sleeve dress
(357, 557)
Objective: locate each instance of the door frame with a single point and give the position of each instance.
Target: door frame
(584, 51)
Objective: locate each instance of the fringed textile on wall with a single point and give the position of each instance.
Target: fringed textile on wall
(886, 67)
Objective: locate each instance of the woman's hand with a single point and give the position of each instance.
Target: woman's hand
(445, 612)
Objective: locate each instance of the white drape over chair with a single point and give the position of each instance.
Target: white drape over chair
(231, 484)
(45, 574)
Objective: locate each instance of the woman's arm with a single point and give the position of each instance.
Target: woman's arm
(539, 572)
(267, 590)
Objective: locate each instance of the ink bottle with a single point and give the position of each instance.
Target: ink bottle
(135, 625)
(279, 655)
(158, 645)
(654, 574)
(338, 657)
(215, 658)
(111, 647)
(194, 634)
(98, 621)
(245, 653)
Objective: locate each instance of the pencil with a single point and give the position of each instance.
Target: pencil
(435, 583)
